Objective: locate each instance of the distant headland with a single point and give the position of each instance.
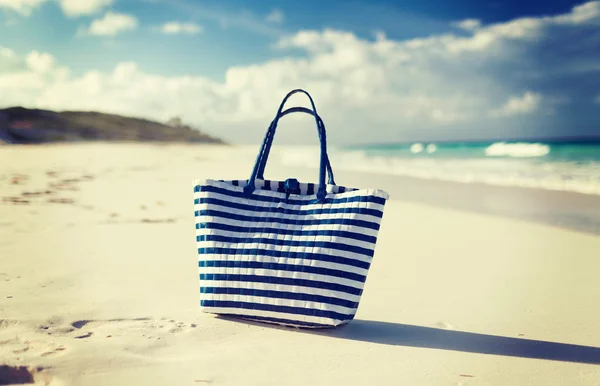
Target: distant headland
(19, 125)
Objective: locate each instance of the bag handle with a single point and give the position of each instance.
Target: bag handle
(266, 145)
(263, 161)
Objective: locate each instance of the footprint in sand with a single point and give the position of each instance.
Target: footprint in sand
(86, 335)
(5, 323)
(59, 200)
(158, 220)
(20, 351)
(37, 193)
(18, 179)
(15, 200)
(147, 328)
(179, 327)
(55, 351)
(24, 342)
(140, 336)
(28, 349)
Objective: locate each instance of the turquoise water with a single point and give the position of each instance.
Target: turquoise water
(573, 167)
(539, 151)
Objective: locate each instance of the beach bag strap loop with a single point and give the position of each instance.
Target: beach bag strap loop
(266, 145)
(263, 161)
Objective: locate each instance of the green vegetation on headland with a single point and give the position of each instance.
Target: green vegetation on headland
(21, 125)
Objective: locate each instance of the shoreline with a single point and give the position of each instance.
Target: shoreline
(563, 209)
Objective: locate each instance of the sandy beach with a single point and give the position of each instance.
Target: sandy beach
(99, 284)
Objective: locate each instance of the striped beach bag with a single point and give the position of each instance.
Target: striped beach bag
(285, 252)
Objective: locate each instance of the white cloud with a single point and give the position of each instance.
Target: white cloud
(523, 28)
(597, 99)
(112, 24)
(71, 8)
(468, 24)
(581, 14)
(9, 60)
(74, 8)
(23, 77)
(238, 19)
(179, 28)
(276, 16)
(23, 7)
(382, 88)
(40, 62)
(527, 103)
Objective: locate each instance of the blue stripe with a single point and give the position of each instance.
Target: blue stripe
(214, 189)
(277, 220)
(282, 280)
(282, 267)
(290, 255)
(279, 295)
(279, 320)
(287, 243)
(272, 308)
(281, 231)
(253, 208)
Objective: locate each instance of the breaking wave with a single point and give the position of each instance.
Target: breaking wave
(503, 149)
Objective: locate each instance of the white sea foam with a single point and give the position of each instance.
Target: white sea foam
(503, 149)
(416, 148)
(519, 172)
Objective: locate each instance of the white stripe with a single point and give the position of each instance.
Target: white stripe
(304, 207)
(222, 196)
(286, 238)
(293, 227)
(271, 314)
(279, 302)
(271, 247)
(280, 288)
(284, 260)
(318, 217)
(280, 274)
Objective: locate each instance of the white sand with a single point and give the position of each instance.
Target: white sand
(104, 290)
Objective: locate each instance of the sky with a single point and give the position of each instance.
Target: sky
(379, 71)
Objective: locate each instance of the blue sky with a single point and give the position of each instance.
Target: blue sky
(378, 70)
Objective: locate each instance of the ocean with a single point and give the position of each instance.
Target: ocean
(559, 166)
